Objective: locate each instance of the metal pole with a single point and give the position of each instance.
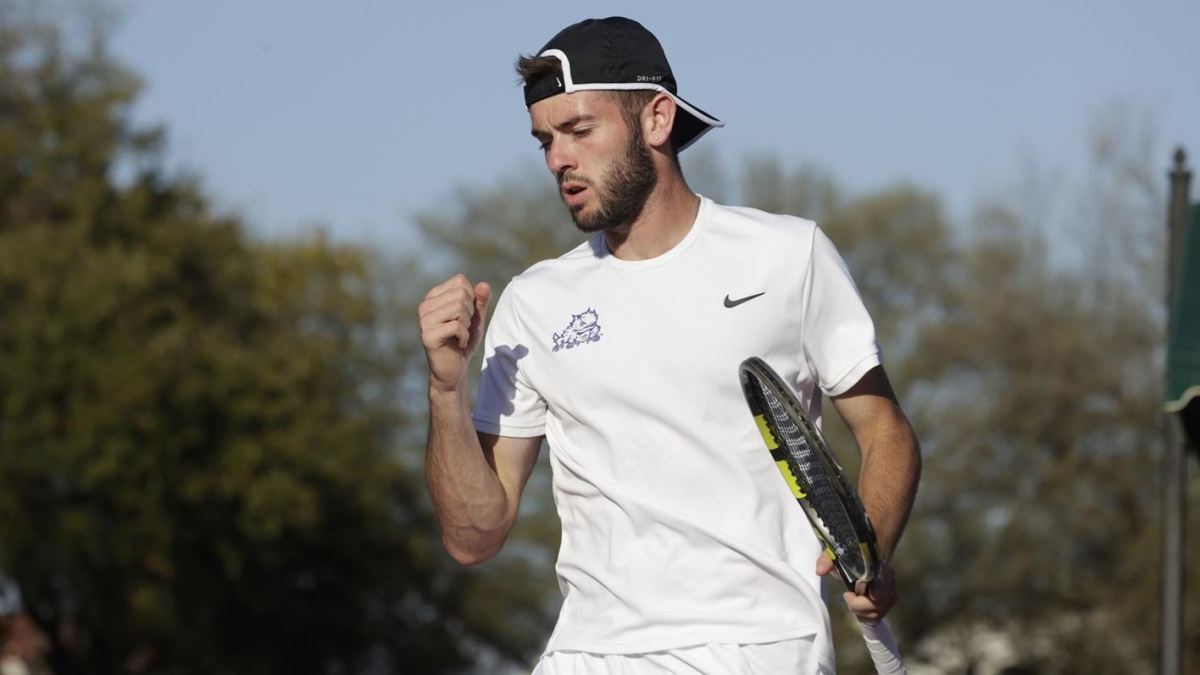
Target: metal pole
(1172, 550)
(1174, 459)
(1177, 217)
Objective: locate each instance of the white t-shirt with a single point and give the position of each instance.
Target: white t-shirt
(677, 529)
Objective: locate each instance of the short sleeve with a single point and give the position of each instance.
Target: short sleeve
(506, 404)
(838, 334)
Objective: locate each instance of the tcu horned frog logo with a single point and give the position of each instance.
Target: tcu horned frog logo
(584, 328)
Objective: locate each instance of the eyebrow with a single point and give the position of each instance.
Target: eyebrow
(565, 125)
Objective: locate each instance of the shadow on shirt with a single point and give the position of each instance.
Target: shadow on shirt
(498, 384)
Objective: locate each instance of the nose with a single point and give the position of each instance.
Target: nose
(559, 159)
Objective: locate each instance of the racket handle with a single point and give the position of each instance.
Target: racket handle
(882, 646)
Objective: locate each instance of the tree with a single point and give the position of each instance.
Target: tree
(196, 430)
(1036, 390)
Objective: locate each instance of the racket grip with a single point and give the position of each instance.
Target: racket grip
(882, 646)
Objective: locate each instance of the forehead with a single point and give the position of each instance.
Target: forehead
(550, 112)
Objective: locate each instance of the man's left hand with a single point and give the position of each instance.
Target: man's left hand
(869, 602)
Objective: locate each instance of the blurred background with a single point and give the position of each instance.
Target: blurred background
(217, 218)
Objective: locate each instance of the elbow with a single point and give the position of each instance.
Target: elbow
(475, 536)
(471, 553)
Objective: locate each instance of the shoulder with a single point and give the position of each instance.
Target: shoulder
(550, 275)
(582, 256)
(745, 219)
(553, 270)
(760, 228)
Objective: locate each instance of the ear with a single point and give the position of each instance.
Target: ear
(658, 119)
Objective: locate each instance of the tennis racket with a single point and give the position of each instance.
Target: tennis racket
(820, 487)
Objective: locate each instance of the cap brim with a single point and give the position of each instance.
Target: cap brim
(690, 123)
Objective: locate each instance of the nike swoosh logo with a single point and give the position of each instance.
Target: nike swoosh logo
(748, 298)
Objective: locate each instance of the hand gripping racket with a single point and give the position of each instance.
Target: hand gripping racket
(820, 487)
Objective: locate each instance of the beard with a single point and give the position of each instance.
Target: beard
(622, 190)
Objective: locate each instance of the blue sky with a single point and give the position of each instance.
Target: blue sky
(355, 115)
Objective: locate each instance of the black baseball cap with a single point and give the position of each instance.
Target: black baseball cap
(617, 53)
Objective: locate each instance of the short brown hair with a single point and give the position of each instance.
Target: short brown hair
(632, 101)
(530, 68)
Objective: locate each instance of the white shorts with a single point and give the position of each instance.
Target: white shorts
(786, 657)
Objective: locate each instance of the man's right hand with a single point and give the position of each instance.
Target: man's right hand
(453, 317)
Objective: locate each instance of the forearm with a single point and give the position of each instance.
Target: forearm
(891, 469)
(468, 497)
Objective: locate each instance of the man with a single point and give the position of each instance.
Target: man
(682, 550)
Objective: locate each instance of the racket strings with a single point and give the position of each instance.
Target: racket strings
(823, 495)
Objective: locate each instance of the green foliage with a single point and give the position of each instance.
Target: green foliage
(496, 233)
(196, 470)
(1035, 386)
(1038, 410)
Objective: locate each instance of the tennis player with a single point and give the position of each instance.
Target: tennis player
(682, 550)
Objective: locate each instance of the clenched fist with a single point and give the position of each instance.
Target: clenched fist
(453, 317)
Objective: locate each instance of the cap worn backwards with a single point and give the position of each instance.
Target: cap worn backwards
(616, 54)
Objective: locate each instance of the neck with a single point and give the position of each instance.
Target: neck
(667, 217)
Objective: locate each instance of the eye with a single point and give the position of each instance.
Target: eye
(580, 133)
(544, 145)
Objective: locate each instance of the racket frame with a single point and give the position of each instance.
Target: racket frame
(753, 371)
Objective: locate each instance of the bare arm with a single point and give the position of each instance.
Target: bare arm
(891, 459)
(475, 480)
(887, 481)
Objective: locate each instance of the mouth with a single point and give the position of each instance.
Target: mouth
(573, 193)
